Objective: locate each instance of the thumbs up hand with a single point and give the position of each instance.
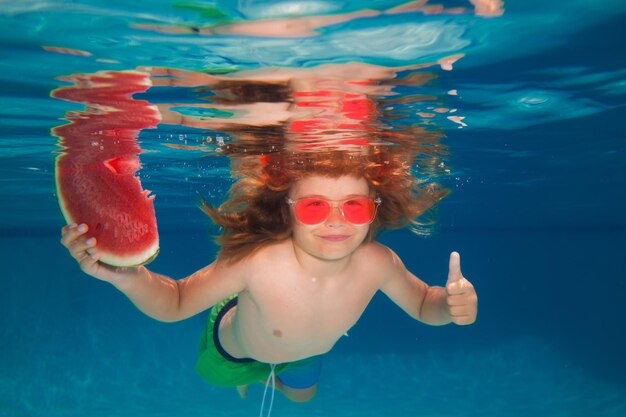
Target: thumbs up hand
(461, 297)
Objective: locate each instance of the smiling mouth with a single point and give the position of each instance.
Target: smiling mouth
(335, 238)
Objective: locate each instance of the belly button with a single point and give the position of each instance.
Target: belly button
(277, 333)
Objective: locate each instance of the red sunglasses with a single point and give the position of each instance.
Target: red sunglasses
(312, 211)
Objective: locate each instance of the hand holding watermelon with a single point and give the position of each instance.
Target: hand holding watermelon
(83, 249)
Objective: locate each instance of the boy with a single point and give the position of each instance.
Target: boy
(296, 268)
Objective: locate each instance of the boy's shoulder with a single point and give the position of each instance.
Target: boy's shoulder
(378, 261)
(376, 247)
(375, 252)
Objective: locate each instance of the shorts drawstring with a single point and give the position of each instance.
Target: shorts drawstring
(271, 378)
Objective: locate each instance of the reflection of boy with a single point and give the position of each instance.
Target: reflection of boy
(310, 106)
(297, 266)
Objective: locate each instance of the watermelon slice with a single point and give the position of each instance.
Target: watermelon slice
(96, 168)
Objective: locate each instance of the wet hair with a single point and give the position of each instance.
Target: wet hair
(256, 213)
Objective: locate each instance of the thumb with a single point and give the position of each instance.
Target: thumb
(454, 271)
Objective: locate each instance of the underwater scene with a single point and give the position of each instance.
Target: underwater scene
(186, 130)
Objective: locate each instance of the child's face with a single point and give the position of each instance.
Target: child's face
(334, 238)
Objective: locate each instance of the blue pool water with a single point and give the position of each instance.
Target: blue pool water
(535, 163)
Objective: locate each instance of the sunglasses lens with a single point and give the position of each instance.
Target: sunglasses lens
(312, 210)
(359, 210)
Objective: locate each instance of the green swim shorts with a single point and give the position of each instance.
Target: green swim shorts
(217, 367)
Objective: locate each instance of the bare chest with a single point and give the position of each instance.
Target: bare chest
(294, 313)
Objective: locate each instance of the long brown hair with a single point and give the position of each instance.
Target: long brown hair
(256, 213)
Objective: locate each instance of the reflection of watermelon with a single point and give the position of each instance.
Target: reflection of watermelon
(96, 170)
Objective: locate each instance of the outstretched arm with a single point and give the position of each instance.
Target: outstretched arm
(158, 296)
(456, 302)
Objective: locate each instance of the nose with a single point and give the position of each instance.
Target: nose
(335, 219)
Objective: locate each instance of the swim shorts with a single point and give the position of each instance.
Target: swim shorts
(217, 367)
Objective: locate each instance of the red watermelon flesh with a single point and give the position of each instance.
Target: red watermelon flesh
(96, 169)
